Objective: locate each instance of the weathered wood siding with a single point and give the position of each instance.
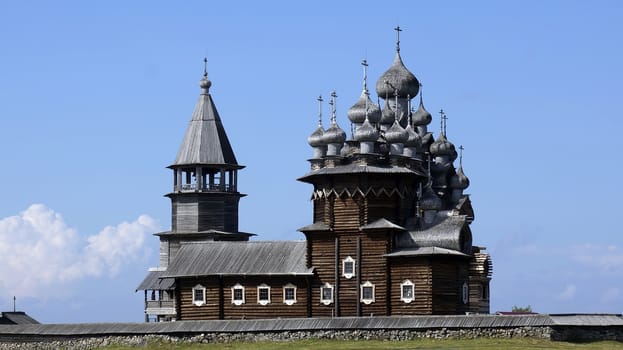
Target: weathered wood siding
(219, 302)
(419, 271)
(448, 277)
(204, 211)
(322, 248)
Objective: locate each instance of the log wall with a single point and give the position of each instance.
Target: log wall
(219, 300)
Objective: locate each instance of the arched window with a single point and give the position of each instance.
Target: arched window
(348, 267)
(326, 294)
(367, 293)
(263, 294)
(237, 294)
(407, 291)
(199, 295)
(289, 294)
(465, 293)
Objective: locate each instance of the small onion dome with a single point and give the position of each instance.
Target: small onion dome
(398, 77)
(442, 147)
(316, 138)
(205, 84)
(366, 132)
(459, 181)
(357, 113)
(414, 140)
(387, 115)
(422, 116)
(334, 134)
(430, 200)
(396, 134)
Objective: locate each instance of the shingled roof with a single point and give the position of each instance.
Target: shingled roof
(239, 258)
(205, 141)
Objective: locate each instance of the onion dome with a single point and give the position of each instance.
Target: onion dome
(397, 77)
(366, 132)
(388, 115)
(430, 200)
(396, 134)
(205, 83)
(316, 138)
(414, 140)
(422, 116)
(334, 134)
(442, 147)
(357, 113)
(459, 181)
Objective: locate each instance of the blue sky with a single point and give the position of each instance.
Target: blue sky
(95, 98)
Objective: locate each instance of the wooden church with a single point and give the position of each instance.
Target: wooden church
(390, 233)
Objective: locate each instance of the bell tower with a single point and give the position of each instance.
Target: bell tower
(205, 197)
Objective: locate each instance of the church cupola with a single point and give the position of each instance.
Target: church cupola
(205, 172)
(334, 136)
(396, 135)
(397, 77)
(414, 141)
(459, 182)
(316, 139)
(364, 107)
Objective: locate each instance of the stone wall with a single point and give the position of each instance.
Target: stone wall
(84, 343)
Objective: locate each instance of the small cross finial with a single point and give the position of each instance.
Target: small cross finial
(205, 67)
(320, 110)
(333, 106)
(443, 118)
(364, 63)
(421, 93)
(461, 148)
(398, 30)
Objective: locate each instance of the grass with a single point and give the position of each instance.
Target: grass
(482, 343)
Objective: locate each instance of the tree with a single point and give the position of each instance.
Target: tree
(522, 308)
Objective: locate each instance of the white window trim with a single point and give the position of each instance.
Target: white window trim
(465, 293)
(237, 287)
(402, 297)
(259, 301)
(367, 285)
(350, 274)
(290, 301)
(326, 301)
(203, 293)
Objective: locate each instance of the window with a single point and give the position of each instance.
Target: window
(289, 294)
(237, 295)
(465, 293)
(326, 294)
(348, 267)
(485, 291)
(407, 291)
(367, 293)
(263, 294)
(199, 295)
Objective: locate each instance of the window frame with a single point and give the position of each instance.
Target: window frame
(363, 287)
(289, 301)
(465, 293)
(323, 300)
(353, 273)
(266, 287)
(403, 298)
(235, 288)
(203, 295)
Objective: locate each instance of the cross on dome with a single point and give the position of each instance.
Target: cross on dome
(398, 30)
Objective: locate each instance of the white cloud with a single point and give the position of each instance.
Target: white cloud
(41, 253)
(607, 258)
(568, 293)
